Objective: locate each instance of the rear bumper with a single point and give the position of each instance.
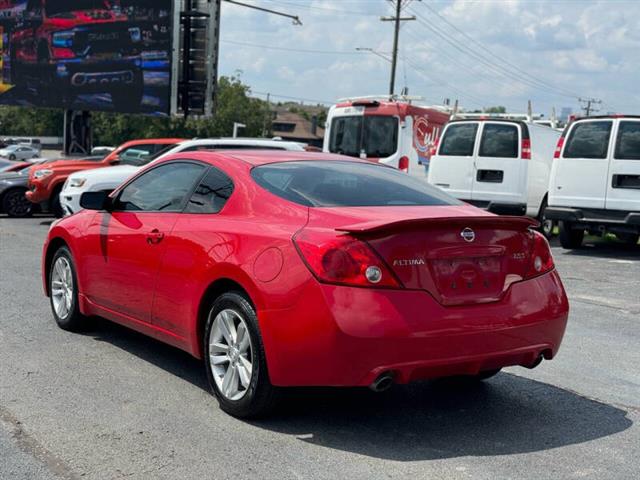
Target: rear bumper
(500, 208)
(593, 216)
(344, 336)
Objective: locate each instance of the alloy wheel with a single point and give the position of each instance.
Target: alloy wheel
(231, 354)
(62, 288)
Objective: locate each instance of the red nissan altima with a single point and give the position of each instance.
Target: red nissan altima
(296, 269)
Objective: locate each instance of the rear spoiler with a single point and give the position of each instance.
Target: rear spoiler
(505, 222)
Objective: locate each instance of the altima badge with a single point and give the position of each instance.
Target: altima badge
(468, 235)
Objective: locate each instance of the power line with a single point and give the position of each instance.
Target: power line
(288, 97)
(488, 63)
(397, 19)
(318, 8)
(287, 49)
(498, 57)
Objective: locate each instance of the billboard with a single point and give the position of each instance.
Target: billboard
(95, 55)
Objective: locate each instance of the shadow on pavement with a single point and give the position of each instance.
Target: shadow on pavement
(602, 249)
(424, 421)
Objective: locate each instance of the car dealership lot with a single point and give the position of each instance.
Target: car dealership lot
(112, 403)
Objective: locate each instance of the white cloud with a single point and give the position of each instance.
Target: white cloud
(590, 48)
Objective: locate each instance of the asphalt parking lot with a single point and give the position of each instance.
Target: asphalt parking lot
(114, 404)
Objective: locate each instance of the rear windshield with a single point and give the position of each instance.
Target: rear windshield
(628, 142)
(499, 141)
(459, 140)
(374, 135)
(346, 184)
(589, 140)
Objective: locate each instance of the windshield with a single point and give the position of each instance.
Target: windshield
(66, 6)
(346, 184)
(375, 136)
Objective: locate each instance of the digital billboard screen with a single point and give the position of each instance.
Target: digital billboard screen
(107, 55)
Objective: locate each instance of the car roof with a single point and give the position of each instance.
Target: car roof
(607, 117)
(264, 157)
(265, 142)
(151, 141)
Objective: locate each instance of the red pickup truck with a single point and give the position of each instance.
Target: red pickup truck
(46, 181)
(64, 48)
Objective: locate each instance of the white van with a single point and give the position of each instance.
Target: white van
(502, 165)
(595, 179)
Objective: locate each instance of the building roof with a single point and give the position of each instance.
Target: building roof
(295, 126)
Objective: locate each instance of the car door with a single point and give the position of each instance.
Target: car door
(126, 244)
(452, 168)
(579, 177)
(623, 185)
(199, 238)
(500, 174)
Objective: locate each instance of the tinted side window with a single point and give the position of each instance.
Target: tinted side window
(628, 142)
(499, 141)
(162, 189)
(588, 140)
(459, 140)
(211, 194)
(346, 184)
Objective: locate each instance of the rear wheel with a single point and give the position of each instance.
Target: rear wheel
(628, 238)
(63, 289)
(16, 205)
(546, 226)
(234, 358)
(570, 237)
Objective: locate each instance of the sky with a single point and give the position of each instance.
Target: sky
(482, 52)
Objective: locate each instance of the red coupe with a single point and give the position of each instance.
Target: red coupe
(297, 269)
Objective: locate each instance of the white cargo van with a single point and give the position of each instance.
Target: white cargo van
(595, 179)
(502, 165)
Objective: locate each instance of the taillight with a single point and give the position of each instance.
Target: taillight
(342, 260)
(558, 151)
(403, 164)
(526, 149)
(541, 259)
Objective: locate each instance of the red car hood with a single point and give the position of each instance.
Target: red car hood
(71, 19)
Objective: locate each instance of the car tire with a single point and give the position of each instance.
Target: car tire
(546, 226)
(55, 204)
(628, 238)
(234, 358)
(12, 157)
(63, 292)
(16, 205)
(570, 238)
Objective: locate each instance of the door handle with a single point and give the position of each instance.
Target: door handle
(154, 237)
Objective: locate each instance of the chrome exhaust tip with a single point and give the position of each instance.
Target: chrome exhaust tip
(384, 382)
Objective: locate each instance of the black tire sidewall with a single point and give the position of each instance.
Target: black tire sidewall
(570, 238)
(258, 398)
(74, 319)
(7, 208)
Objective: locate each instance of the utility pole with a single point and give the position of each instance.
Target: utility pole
(588, 105)
(397, 19)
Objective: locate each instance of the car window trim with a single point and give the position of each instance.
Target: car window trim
(571, 132)
(616, 145)
(501, 124)
(233, 190)
(163, 164)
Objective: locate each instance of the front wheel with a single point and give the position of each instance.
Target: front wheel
(16, 205)
(63, 290)
(234, 357)
(12, 157)
(570, 237)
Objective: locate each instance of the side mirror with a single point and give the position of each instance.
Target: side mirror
(116, 161)
(95, 201)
